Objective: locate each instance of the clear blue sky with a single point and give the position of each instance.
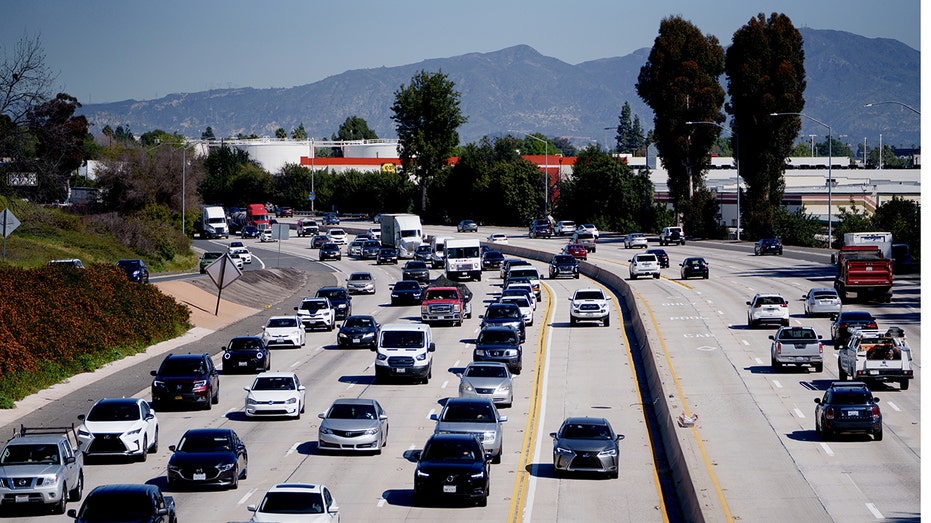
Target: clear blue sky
(112, 50)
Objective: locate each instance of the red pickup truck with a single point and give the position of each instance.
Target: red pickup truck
(863, 270)
(444, 304)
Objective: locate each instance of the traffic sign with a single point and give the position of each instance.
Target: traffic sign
(8, 222)
(312, 196)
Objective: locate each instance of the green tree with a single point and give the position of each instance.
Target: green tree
(280, 133)
(223, 166)
(354, 128)
(59, 146)
(208, 134)
(766, 74)
(796, 228)
(629, 137)
(680, 83)
(902, 218)
(427, 117)
(299, 133)
(608, 193)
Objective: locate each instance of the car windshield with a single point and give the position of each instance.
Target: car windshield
(585, 431)
(415, 265)
(822, 295)
(497, 336)
(209, 442)
(370, 244)
(798, 334)
(646, 258)
(520, 301)
(129, 264)
(423, 249)
(292, 503)
(360, 276)
(697, 262)
(212, 255)
(245, 344)
(439, 450)
(313, 305)
(331, 293)
(770, 300)
(277, 323)
(494, 255)
(114, 411)
(502, 312)
(274, 383)
(589, 295)
(402, 339)
(486, 371)
(21, 454)
(850, 398)
(441, 295)
(469, 413)
(563, 258)
(116, 507)
(351, 411)
(407, 285)
(358, 321)
(183, 367)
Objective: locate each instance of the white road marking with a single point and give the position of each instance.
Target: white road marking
(745, 342)
(798, 413)
(295, 364)
(827, 449)
(777, 384)
(381, 502)
(893, 406)
(293, 448)
(233, 409)
(721, 312)
(456, 364)
(445, 383)
(246, 496)
(876, 513)
(758, 360)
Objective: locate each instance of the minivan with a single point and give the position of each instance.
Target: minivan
(404, 350)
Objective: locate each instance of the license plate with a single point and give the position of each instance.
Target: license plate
(400, 371)
(852, 413)
(449, 489)
(243, 363)
(200, 477)
(868, 269)
(22, 499)
(178, 398)
(357, 340)
(874, 372)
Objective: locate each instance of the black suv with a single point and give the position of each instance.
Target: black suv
(135, 269)
(847, 321)
(246, 353)
(768, 246)
(848, 408)
(540, 228)
(339, 299)
(564, 265)
(693, 267)
(330, 251)
(499, 344)
(452, 466)
(506, 315)
(416, 270)
(186, 378)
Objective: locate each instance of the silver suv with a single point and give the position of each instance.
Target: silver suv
(767, 308)
(589, 305)
(473, 416)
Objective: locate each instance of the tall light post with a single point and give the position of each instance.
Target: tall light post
(183, 147)
(546, 174)
(909, 107)
(607, 149)
(830, 177)
(736, 162)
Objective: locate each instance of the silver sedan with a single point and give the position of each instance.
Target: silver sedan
(489, 379)
(821, 301)
(353, 424)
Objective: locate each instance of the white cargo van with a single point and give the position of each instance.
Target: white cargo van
(404, 350)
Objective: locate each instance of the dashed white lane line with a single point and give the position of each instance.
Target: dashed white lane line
(293, 448)
(875, 511)
(827, 449)
(893, 406)
(246, 496)
(431, 413)
(798, 412)
(777, 384)
(456, 364)
(445, 383)
(745, 342)
(295, 364)
(758, 361)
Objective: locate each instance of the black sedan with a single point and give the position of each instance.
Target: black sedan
(848, 408)
(406, 292)
(564, 265)
(416, 270)
(693, 268)
(452, 466)
(661, 256)
(370, 249)
(249, 231)
(387, 255)
(768, 246)
(492, 260)
(208, 457)
(246, 353)
(424, 252)
(137, 503)
(358, 331)
(330, 251)
(135, 269)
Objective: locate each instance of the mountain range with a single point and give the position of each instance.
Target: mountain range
(518, 88)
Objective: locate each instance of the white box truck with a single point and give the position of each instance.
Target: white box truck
(403, 232)
(463, 259)
(213, 222)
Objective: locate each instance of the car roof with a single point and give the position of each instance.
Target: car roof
(453, 401)
(123, 488)
(109, 401)
(276, 374)
(209, 430)
(296, 487)
(354, 401)
(188, 356)
(585, 420)
(487, 363)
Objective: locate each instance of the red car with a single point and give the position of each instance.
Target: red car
(576, 250)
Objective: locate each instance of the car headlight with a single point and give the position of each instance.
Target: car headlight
(49, 480)
(478, 475)
(465, 387)
(368, 335)
(158, 384)
(291, 401)
(134, 432)
(561, 450)
(174, 468)
(489, 436)
(251, 401)
(479, 352)
(370, 432)
(421, 357)
(608, 452)
(223, 467)
(504, 387)
(324, 430)
(342, 335)
(381, 357)
(84, 432)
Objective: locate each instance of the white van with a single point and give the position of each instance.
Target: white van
(404, 350)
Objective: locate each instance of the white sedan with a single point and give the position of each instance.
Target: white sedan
(283, 331)
(297, 503)
(243, 253)
(275, 394)
(119, 427)
(337, 236)
(498, 238)
(588, 227)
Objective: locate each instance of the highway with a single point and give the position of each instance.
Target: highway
(753, 453)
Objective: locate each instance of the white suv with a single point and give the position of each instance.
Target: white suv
(644, 265)
(283, 330)
(589, 305)
(672, 235)
(316, 312)
(767, 308)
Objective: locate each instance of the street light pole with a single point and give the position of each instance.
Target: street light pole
(546, 174)
(909, 107)
(830, 177)
(736, 162)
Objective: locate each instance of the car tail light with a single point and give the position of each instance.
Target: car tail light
(200, 386)
(875, 412)
(783, 304)
(829, 413)
(820, 348)
(758, 305)
(871, 325)
(778, 348)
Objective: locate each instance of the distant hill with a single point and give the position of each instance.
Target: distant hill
(518, 88)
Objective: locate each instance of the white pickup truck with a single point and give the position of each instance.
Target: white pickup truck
(872, 356)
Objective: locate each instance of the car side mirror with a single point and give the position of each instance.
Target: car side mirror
(153, 373)
(322, 415)
(875, 400)
(301, 388)
(434, 417)
(334, 509)
(252, 508)
(771, 337)
(382, 417)
(295, 308)
(619, 437)
(553, 435)
(748, 303)
(81, 417)
(416, 454)
(72, 513)
(431, 347)
(503, 419)
(818, 401)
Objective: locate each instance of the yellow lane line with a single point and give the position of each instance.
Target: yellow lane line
(685, 406)
(522, 479)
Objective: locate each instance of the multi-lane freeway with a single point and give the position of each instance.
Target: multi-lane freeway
(752, 455)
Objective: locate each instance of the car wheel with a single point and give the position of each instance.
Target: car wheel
(613, 474)
(777, 367)
(154, 448)
(656, 276)
(78, 491)
(878, 435)
(903, 385)
(841, 372)
(705, 276)
(483, 501)
(607, 321)
(819, 367)
(144, 454)
(632, 277)
(59, 508)
(785, 323)
(235, 484)
(572, 321)
(215, 400)
(497, 458)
